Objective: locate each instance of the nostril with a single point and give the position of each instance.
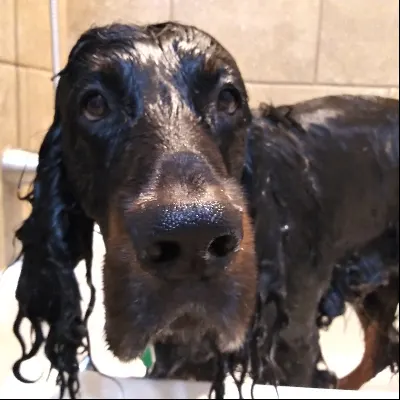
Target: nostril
(223, 245)
(163, 251)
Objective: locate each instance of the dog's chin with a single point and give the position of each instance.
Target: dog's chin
(222, 319)
(188, 329)
(191, 330)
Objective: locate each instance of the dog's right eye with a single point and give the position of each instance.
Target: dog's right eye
(229, 100)
(95, 107)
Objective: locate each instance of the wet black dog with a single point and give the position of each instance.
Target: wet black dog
(322, 179)
(148, 141)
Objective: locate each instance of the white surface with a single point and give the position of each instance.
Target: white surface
(15, 161)
(95, 386)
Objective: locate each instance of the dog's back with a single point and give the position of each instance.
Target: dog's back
(357, 160)
(344, 150)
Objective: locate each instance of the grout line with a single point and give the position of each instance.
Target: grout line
(318, 84)
(17, 64)
(318, 44)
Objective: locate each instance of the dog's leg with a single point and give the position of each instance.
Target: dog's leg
(298, 356)
(376, 314)
(298, 351)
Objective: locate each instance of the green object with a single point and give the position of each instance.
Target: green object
(148, 357)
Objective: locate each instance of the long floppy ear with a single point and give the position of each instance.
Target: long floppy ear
(54, 238)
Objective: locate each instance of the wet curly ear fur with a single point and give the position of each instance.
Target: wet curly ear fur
(54, 238)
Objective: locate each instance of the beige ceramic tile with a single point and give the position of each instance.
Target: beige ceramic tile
(36, 106)
(34, 34)
(81, 15)
(33, 29)
(8, 106)
(271, 40)
(7, 30)
(359, 42)
(280, 94)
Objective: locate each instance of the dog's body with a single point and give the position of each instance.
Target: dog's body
(322, 178)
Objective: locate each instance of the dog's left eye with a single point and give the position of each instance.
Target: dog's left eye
(95, 107)
(229, 100)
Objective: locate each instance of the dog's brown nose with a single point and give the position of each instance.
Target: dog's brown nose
(187, 241)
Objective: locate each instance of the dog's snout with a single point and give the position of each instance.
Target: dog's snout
(189, 240)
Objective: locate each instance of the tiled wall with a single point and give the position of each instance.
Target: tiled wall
(288, 50)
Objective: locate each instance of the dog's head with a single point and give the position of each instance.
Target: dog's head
(148, 141)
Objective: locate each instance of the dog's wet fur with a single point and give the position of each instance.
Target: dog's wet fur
(222, 226)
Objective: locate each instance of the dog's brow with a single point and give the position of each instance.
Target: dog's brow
(147, 52)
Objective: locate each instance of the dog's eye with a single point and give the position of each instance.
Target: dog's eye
(95, 107)
(229, 101)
